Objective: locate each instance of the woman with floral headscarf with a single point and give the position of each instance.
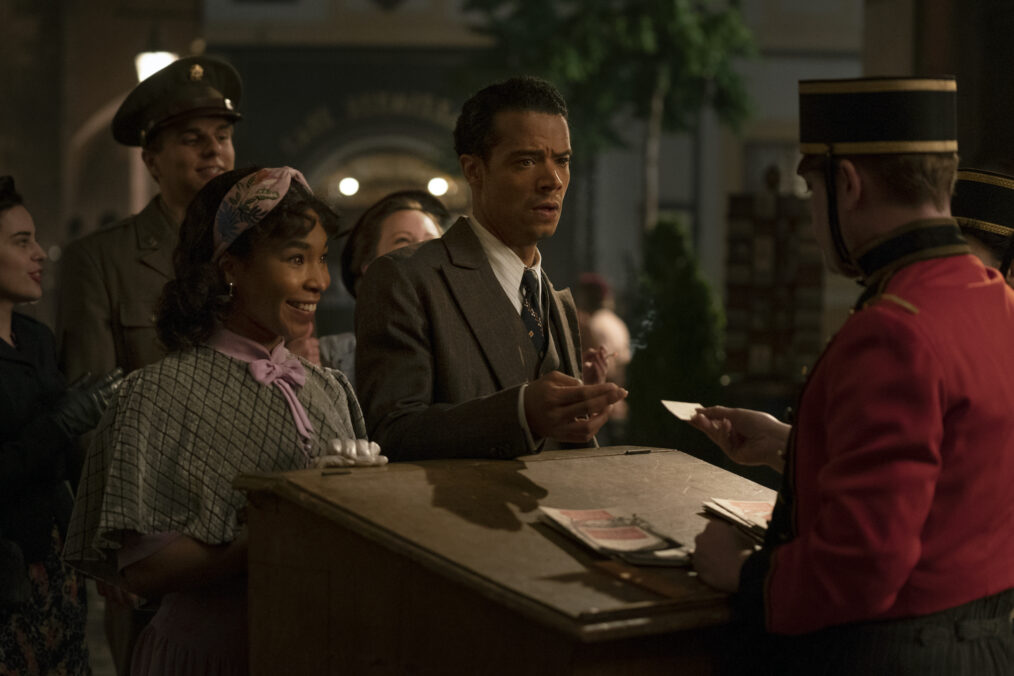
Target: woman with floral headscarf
(156, 511)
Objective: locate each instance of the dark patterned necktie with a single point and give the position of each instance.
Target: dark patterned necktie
(531, 314)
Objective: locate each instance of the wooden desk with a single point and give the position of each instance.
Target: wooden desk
(442, 567)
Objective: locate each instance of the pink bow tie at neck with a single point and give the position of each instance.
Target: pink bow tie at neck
(285, 372)
(290, 371)
(279, 368)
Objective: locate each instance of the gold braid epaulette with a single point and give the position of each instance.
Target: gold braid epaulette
(898, 300)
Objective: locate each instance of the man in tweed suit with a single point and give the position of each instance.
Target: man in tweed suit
(465, 349)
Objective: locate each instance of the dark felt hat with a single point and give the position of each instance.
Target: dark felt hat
(195, 86)
(984, 200)
(875, 116)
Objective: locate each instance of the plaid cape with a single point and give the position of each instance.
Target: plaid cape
(180, 430)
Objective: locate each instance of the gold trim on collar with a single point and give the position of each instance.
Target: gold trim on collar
(920, 224)
(985, 226)
(878, 147)
(880, 277)
(979, 177)
(872, 86)
(899, 301)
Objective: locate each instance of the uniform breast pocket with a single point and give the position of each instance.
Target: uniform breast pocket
(139, 343)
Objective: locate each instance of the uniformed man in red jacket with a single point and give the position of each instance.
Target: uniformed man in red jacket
(891, 549)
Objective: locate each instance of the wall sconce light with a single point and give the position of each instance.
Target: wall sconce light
(154, 58)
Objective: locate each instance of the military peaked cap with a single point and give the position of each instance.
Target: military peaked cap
(874, 116)
(195, 86)
(984, 200)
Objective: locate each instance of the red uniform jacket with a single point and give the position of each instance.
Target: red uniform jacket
(898, 498)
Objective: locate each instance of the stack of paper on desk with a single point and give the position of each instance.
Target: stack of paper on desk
(751, 517)
(614, 533)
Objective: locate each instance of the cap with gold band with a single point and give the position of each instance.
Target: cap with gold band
(195, 86)
(984, 201)
(873, 116)
(878, 116)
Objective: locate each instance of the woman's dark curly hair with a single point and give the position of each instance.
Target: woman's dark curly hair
(9, 196)
(198, 297)
(361, 245)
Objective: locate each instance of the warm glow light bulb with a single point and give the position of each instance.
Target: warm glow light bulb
(348, 186)
(149, 63)
(437, 186)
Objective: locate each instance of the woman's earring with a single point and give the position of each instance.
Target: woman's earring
(232, 289)
(227, 296)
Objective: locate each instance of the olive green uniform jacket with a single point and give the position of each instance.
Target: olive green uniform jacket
(110, 282)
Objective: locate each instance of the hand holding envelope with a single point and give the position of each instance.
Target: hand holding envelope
(684, 410)
(747, 437)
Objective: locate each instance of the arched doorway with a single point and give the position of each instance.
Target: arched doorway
(380, 163)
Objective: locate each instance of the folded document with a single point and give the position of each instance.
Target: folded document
(611, 532)
(749, 516)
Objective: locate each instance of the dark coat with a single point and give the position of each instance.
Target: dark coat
(36, 457)
(110, 282)
(441, 353)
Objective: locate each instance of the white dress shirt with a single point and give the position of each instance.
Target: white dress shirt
(508, 268)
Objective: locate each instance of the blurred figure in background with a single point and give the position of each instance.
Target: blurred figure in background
(605, 335)
(42, 601)
(399, 219)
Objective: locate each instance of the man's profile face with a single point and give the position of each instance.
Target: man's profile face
(518, 189)
(188, 154)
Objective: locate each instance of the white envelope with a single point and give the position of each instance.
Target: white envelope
(684, 410)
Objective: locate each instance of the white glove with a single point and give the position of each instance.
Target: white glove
(351, 453)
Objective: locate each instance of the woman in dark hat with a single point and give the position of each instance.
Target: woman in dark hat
(42, 601)
(396, 220)
(156, 512)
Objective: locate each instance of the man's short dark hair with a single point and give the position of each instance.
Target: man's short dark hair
(473, 133)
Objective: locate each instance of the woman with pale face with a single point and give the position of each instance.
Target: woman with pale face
(229, 398)
(42, 600)
(400, 219)
(21, 260)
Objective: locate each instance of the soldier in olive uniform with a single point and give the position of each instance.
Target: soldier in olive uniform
(182, 117)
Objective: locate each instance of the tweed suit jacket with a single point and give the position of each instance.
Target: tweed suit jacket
(110, 281)
(441, 353)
